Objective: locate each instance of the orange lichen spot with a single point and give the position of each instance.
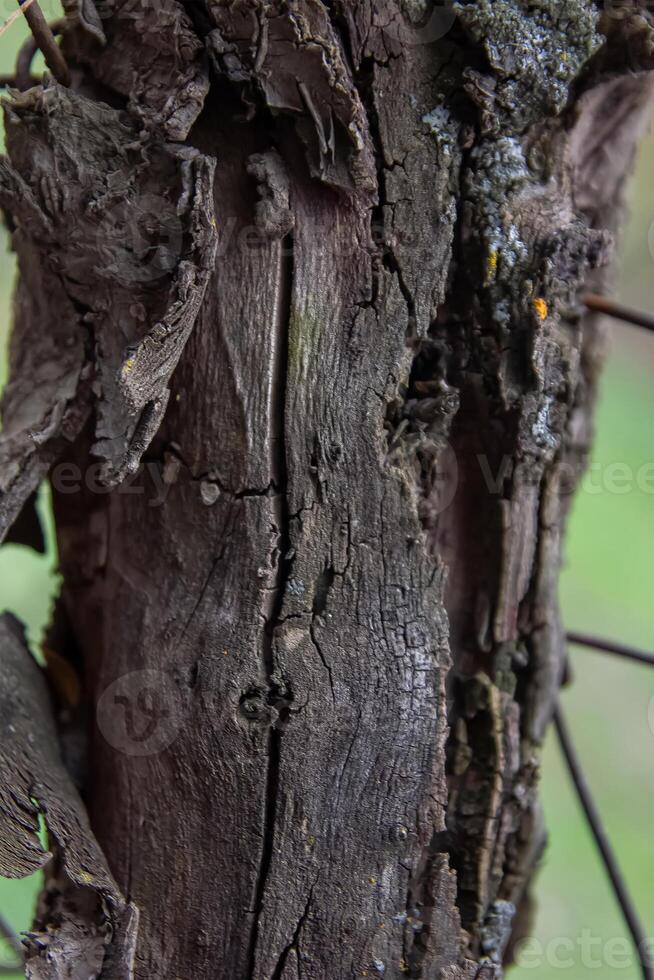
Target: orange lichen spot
(491, 265)
(540, 307)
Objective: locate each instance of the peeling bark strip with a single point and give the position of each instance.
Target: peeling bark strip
(84, 927)
(321, 264)
(115, 232)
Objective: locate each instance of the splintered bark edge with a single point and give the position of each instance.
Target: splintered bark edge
(86, 924)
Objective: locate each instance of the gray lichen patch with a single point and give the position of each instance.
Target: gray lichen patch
(534, 50)
(445, 130)
(503, 260)
(528, 250)
(498, 171)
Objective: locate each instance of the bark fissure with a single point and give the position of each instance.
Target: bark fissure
(294, 944)
(282, 563)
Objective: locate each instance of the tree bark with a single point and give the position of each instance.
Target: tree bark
(299, 343)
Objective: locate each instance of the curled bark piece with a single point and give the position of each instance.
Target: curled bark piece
(84, 14)
(130, 231)
(84, 919)
(162, 69)
(47, 401)
(44, 404)
(295, 62)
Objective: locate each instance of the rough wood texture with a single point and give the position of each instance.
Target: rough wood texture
(318, 628)
(83, 920)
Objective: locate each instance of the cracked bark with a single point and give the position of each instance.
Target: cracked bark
(319, 268)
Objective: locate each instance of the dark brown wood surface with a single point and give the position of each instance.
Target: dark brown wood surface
(299, 341)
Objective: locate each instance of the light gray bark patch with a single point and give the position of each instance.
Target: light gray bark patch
(523, 88)
(131, 235)
(83, 914)
(294, 61)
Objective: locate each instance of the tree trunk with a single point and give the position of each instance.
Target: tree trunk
(299, 343)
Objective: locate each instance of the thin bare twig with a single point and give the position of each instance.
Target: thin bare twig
(15, 944)
(608, 307)
(608, 856)
(12, 18)
(23, 77)
(45, 40)
(610, 646)
(24, 63)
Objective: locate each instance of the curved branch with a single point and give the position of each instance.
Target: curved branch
(608, 856)
(610, 646)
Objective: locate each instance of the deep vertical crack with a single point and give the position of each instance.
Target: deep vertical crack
(279, 477)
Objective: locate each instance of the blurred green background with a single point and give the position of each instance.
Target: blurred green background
(606, 588)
